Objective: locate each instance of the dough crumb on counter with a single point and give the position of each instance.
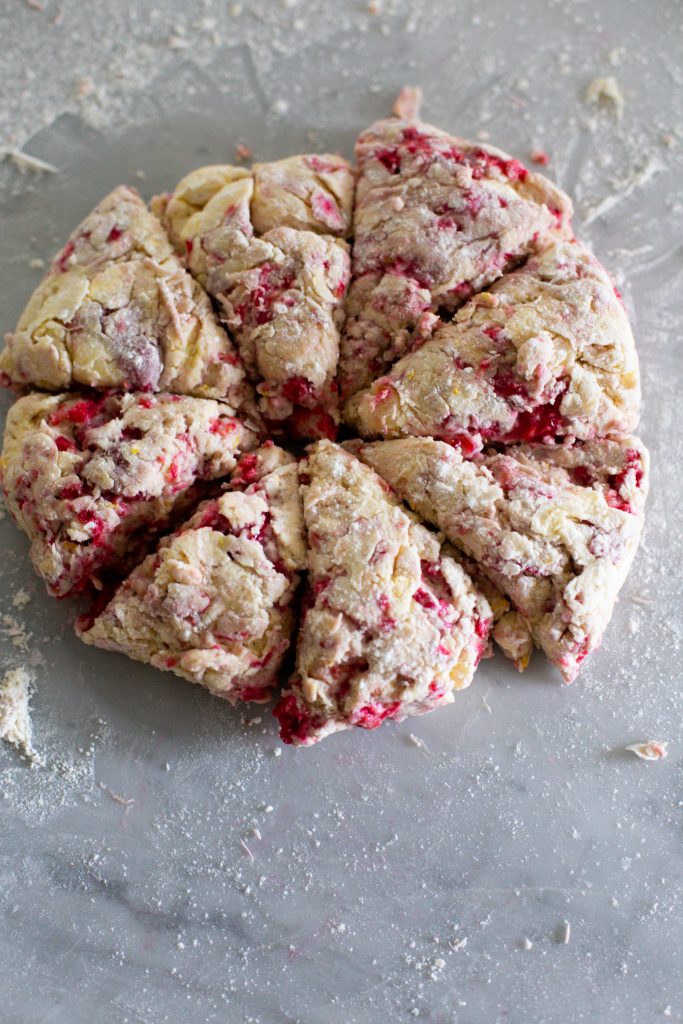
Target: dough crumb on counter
(606, 92)
(15, 715)
(651, 750)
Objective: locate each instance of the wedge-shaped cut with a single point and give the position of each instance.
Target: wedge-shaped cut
(118, 310)
(88, 479)
(391, 625)
(268, 246)
(546, 353)
(554, 528)
(436, 219)
(214, 602)
(510, 629)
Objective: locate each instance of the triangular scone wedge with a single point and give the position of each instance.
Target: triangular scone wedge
(436, 219)
(268, 245)
(546, 354)
(117, 309)
(392, 625)
(88, 479)
(214, 603)
(554, 528)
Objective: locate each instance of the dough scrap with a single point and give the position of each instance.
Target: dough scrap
(118, 310)
(554, 528)
(546, 353)
(88, 479)
(436, 219)
(214, 602)
(269, 246)
(392, 625)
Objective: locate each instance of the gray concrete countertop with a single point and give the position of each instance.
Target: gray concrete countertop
(168, 863)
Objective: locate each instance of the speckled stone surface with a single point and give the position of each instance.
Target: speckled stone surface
(165, 864)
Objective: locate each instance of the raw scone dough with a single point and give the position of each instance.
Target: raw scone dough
(391, 624)
(435, 220)
(554, 528)
(547, 353)
(268, 245)
(214, 602)
(86, 478)
(510, 630)
(118, 310)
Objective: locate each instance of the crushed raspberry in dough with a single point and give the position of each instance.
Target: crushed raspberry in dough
(268, 245)
(117, 309)
(392, 625)
(435, 220)
(546, 354)
(214, 602)
(554, 528)
(89, 479)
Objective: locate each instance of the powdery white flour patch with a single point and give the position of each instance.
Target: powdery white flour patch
(15, 716)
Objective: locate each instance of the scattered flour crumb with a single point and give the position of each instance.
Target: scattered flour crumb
(36, 264)
(624, 188)
(26, 162)
(15, 716)
(418, 742)
(21, 598)
(563, 934)
(527, 944)
(651, 750)
(125, 801)
(606, 91)
(16, 632)
(408, 103)
(539, 156)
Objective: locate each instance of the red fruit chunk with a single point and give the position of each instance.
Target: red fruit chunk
(62, 261)
(506, 384)
(390, 159)
(371, 716)
(71, 491)
(582, 475)
(96, 524)
(223, 426)
(306, 423)
(256, 694)
(246, 470)
(64, 444)
(482, 627)
(295, 722)
(387, 621)
(424, 598)
(79, 412)
(297, 390)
